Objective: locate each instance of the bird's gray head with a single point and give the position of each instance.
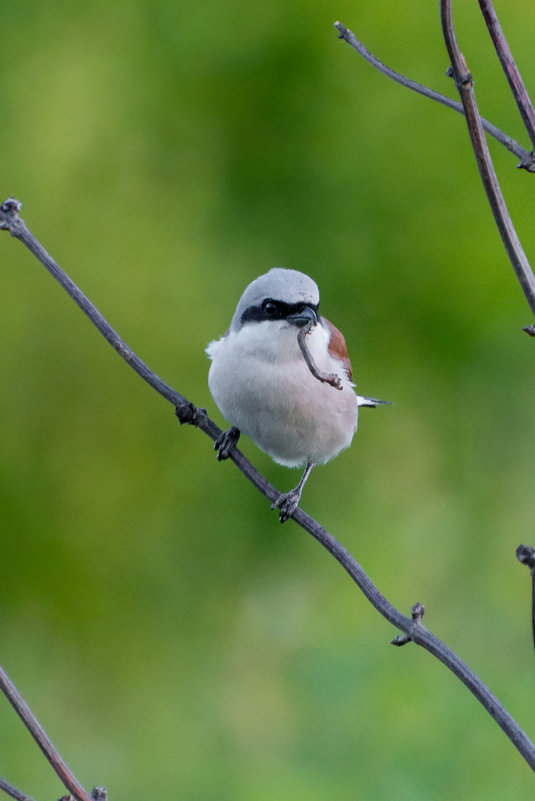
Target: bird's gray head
(280, 294)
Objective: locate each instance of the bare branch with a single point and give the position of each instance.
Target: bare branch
(512, 73)
(463, 81)
(327, 378)
(188, 413)
(10, 220)
(13, 792)
(44, 742)
(526, 556)
(527, 159)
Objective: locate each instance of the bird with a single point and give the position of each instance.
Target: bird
(300, 411)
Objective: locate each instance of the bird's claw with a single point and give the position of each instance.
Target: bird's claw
(287, 503)
(225, 442)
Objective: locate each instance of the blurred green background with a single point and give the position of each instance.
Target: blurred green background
(171, 636)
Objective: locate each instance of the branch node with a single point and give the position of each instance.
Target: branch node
(187, 413)
(11, 205)
(342, 30)
(526, 556)
(190, 414)
(463, 77)
(529, 329)
(400, 639)
(417, 613)
(9, 213)
(99, 794)
(466, 78)
(527, 163)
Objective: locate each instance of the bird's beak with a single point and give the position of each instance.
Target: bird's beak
(302, 317)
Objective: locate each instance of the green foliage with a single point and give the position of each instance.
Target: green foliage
(172, 638)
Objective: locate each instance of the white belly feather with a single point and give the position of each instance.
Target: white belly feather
(261, 384)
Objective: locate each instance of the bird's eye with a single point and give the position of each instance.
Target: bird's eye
(269, 307)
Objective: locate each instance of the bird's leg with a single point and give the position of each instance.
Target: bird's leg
(288, 502)
(225, 442)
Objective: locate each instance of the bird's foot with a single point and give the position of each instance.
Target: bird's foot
(287, 503)
(226, 442)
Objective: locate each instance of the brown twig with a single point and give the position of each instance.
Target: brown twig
(464, 83)
(527, 159)
(512, 73)
(327, 378)
(13, 792)
(41, 738)
(188, 413)
(526, 556)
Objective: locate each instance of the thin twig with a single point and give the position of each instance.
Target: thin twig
(189, 413)
(327, 378)
(526, 555)
(41, 738)
(512, 73)
(527, 159)
(464, 83)
(17, 228)
(13, 792)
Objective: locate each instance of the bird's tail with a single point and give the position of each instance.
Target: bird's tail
(372, 402)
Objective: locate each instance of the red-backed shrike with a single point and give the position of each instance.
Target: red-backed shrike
(263, 386)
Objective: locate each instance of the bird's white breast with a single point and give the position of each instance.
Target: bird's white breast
(262, 385)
